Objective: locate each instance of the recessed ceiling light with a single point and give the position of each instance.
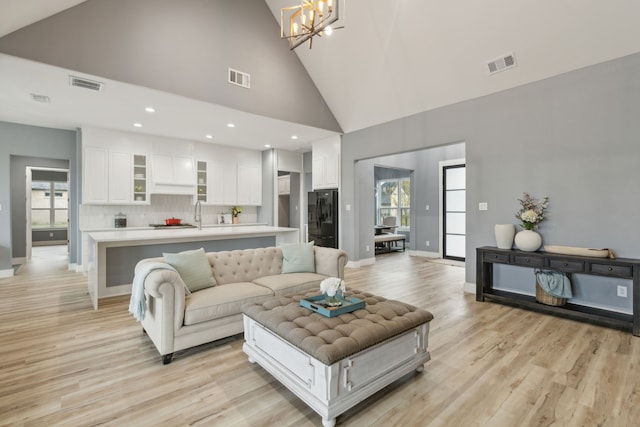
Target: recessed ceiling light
(294, 137)
(138, 125)
(208, 136)
(150, 110)
(267, 145)
(230, 125)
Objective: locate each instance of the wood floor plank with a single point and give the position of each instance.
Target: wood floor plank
(64, 364)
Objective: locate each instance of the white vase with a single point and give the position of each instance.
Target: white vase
(528, 240)
(504, 235)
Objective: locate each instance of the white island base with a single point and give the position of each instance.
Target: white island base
(331, 390)
(134, 245)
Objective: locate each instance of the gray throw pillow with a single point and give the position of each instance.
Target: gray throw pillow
(298, 258)
(193, 267)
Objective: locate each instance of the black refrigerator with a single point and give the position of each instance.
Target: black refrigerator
(323, 218)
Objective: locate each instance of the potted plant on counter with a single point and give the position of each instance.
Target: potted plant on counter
(235, 211)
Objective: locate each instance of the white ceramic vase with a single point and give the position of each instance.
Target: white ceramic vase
(504, 235)
(528, 240)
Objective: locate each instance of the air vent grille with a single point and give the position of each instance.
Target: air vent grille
(40, 98)
(503, 63)
(239, 78)
(85, 83)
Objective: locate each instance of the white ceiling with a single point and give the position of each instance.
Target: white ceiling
(392, 59)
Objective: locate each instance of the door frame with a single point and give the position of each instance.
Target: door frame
(442, 164)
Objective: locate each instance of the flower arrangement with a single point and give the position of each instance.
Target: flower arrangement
(235, 211)
(331, 285)
(532, 212)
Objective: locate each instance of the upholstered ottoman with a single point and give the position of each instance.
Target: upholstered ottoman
(334, 363)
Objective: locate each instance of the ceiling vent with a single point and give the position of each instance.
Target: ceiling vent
(239, 78)
(503, 63)
(40, 98)
(85, 84)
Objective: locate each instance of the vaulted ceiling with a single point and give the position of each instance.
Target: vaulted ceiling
(392, 59)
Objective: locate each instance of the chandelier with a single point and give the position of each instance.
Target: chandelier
(310, 18)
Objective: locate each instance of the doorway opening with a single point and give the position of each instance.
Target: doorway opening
(47, 208)
(454, 211)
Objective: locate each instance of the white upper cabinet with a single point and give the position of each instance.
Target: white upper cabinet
(95, 172)
(326, 164)
(120, 182)
(249, 185)
(108, 167)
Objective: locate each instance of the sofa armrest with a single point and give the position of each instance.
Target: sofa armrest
(330, 262)
(167, 287)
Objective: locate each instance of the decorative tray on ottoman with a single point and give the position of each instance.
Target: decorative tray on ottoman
(317, 304)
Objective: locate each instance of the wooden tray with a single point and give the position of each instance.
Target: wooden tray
(572, 250)
(318, 305)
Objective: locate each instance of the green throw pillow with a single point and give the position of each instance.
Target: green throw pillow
(298, 258)
(193, 267)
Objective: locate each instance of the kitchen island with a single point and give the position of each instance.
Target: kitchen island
(111, 255)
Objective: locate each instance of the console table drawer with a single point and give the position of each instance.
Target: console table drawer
(528, 261)
(566, 266)
(495, 257)
(612, 270)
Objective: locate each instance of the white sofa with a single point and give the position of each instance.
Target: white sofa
(176, 321)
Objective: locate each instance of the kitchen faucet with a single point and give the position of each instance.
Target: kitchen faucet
(197, 215)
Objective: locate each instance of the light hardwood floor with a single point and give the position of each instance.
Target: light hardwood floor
(62, 363)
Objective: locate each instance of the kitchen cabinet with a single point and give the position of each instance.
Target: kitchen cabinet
(140, 174)
(249, 185)
(95, 188)
(120, 183)
(229, 184)
(326, 164)
(202, 192)
(114, 167)
(284, 184)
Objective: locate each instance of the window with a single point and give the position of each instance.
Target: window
(394, 199)
(47, 211)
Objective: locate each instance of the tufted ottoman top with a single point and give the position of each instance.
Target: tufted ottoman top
(330, 339)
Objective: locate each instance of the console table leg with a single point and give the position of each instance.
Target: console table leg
(326, 422)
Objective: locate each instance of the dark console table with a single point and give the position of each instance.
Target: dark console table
(622, 268)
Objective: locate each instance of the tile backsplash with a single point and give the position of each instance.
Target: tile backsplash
(162, 207)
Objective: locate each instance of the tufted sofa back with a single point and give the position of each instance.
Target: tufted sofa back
(245, 265)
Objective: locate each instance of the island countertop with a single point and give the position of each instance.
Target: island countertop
(146, 236)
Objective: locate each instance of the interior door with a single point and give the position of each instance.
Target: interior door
(454, 211)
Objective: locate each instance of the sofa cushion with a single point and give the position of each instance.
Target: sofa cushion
(193, 267)
(221, 301)
(245, 265)
(291, 283)
(298, 258)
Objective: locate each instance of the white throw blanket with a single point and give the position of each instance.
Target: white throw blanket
(137, 304)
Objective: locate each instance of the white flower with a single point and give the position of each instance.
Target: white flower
(529, 216)
(331, 285)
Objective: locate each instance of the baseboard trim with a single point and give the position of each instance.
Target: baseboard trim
(361, 263)
(73, 267)
(469, 288)
(19, 260)
(425, 254)
(6, 273)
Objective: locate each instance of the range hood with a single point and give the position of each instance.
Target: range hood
(173, 174)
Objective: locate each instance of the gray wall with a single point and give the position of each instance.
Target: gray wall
(41, 143)
(181, 47)
(573, 137)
